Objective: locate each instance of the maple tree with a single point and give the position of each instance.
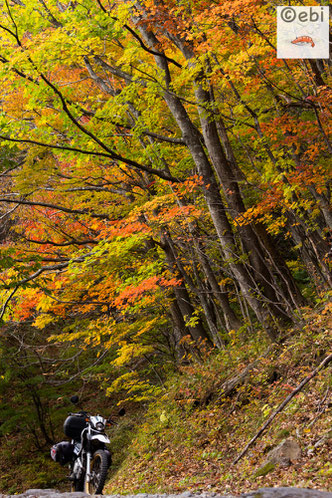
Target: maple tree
(165, 179)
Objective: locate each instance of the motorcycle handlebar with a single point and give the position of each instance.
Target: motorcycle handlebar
(85, 414)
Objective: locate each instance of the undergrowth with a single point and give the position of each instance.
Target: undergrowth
(189, 437)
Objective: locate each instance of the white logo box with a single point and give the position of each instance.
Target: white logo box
(302, 32)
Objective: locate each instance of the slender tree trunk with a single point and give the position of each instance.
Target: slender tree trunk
(231, 320)
(221, 297)
(198, 289)
(179, 329)
(197, 330)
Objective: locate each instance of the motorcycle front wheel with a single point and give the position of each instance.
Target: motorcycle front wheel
(99, 468)
(77, 485)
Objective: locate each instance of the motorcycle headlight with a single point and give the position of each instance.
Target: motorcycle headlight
(100, 426)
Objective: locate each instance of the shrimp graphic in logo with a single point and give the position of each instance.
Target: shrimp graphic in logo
(302, 41)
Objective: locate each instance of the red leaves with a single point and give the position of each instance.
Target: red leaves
(133, 293)
(27, 306)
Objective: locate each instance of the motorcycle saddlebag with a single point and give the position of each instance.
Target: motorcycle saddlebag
(62, 452)
(73, 426)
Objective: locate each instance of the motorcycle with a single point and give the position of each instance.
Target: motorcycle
(86, 454)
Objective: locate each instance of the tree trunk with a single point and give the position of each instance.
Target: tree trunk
(196, 329)
(231, 320)
(179, 329)
(191, 137)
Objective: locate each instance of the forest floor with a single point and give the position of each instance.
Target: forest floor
(189, 437)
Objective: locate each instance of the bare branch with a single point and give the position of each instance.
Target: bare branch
(162, 174)
(4, 307)
(54, 206)
(62, 244)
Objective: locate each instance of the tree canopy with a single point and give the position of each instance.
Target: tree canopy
(165, 181)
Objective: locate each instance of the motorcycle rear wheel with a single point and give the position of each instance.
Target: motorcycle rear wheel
(99, 468)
